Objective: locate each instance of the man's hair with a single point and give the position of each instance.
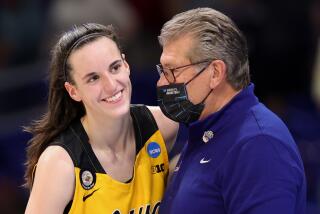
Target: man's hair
(215, 36)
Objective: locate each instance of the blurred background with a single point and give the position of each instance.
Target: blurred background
(283, 38)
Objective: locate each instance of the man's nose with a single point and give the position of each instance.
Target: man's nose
(162, 80)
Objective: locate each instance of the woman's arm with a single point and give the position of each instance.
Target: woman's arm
(54, 182)
(167, 127)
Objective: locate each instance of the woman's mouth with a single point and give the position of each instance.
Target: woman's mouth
(115, 98)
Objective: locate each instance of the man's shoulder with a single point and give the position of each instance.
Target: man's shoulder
(261, 121)
(262, 126)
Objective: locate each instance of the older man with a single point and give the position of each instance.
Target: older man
(240, 157)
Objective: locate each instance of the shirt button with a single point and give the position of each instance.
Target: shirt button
(207, 135)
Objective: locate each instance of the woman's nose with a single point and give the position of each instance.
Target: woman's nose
(109, 83)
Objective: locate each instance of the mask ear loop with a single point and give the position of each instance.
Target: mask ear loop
(206, 96)
(196, 75)
(194, 78)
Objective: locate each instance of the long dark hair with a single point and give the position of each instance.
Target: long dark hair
(61, 108)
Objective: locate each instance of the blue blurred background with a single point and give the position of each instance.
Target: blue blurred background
(283, 38)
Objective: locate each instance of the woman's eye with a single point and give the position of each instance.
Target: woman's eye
(93, 78)
(116, 68)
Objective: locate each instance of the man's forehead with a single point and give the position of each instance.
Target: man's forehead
(171, 61)
(175, 54)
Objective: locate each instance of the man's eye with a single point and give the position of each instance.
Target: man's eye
(166, 72)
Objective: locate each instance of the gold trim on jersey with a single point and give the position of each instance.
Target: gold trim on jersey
(144, 192)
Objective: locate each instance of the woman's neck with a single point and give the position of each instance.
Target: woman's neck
(107, 133)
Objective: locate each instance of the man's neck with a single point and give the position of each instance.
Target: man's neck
(218, 98)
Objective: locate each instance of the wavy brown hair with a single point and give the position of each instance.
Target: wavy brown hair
(61, 108)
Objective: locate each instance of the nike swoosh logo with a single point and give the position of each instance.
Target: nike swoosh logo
(202, 161)
(89, 195)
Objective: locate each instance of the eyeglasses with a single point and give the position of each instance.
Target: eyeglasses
(169, 72)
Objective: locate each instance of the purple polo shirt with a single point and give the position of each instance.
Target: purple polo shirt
(241, 159)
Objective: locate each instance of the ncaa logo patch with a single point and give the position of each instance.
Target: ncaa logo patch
(87, 179)
(153, 149)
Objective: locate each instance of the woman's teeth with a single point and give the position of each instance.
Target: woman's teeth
(115, 97)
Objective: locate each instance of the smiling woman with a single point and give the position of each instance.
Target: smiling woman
(102, 79)
(93, 152)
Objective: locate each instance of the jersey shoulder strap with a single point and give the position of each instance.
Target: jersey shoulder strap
(144, 124)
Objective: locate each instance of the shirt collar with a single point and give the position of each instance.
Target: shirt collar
(236, 107)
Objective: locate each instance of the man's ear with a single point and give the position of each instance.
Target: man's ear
(72, 91)
(218, 74)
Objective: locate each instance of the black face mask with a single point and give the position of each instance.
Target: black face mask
(174, 102)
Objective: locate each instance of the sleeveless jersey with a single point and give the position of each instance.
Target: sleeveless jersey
(97, 192)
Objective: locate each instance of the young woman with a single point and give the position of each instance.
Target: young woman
(93, 152)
